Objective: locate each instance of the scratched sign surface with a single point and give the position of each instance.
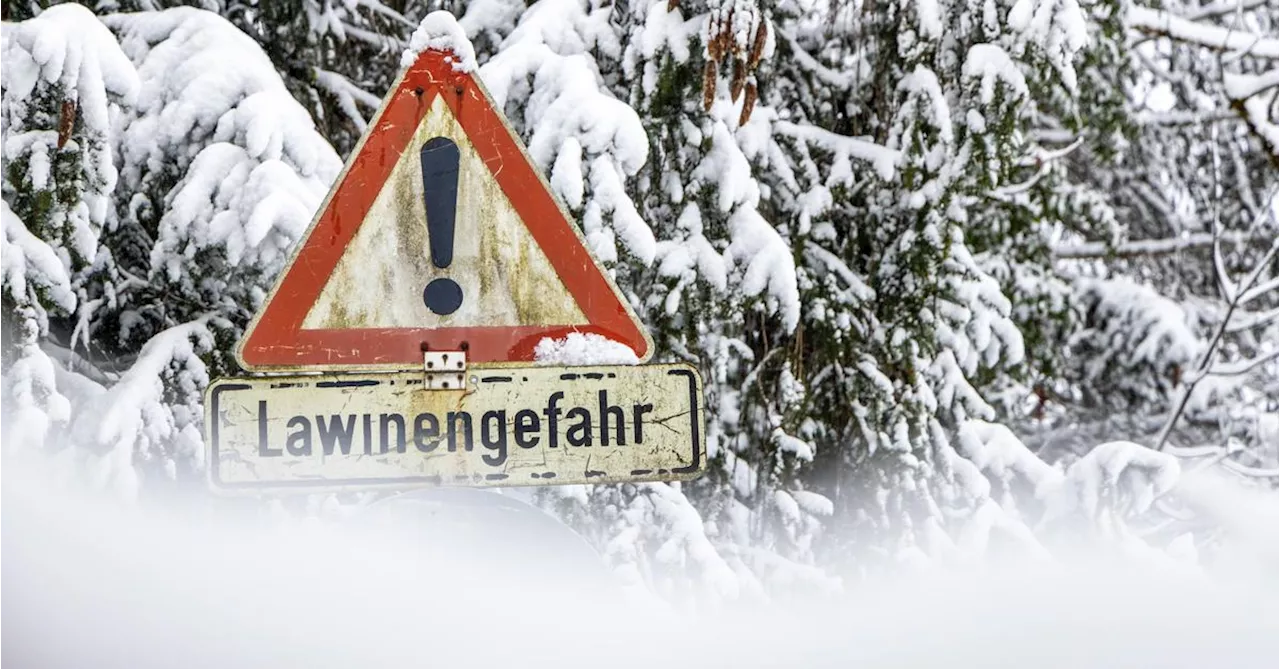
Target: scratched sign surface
(509, 426)
(442, 233)
(502, 276)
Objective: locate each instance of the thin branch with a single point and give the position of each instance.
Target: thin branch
(1259, 290)
(1175, 118)
(1206, 359)
(1196, 451)
(1242, 366)
(383, 10)
(1246, 470)
(1225, 286)
(824, 74)
(883, 158)
(1248, 320)
(1154, 247)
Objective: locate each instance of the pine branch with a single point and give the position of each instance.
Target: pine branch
(883, 158)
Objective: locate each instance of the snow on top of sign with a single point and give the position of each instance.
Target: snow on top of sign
(441, 32)
(583, 349)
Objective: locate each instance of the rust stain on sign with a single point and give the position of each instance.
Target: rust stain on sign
(509, 426)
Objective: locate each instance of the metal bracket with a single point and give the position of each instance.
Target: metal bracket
(444, 370)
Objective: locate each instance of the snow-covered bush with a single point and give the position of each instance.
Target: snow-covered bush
(164, 173)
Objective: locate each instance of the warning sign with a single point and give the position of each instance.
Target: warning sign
(440, 234)
(438, 263)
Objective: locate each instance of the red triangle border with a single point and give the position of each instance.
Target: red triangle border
(275, 339)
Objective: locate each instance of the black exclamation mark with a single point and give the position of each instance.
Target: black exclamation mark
(440, 191)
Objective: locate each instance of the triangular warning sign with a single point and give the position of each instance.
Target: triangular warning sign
(440, 234)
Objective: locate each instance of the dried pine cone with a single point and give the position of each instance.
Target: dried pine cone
(757, 46)
(66, 122)
(708, 85)
(739, 79)
(748, 104)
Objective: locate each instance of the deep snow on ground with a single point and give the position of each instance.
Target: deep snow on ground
(87, 583)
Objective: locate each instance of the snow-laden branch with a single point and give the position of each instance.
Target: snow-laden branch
(883, 158)
(1155, 247)
(1242, 366)
(1245, 92)
(350, 97)
(1222, 8)
(823, 73)
(1165, 24)
(1174, 118)
(1241, 86)
(387, 12)
(1043, 160)
(387, 43)
(836, 265)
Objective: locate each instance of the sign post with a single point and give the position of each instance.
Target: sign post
(438, 263)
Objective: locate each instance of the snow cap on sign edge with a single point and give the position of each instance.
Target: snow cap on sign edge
(583, 348)
(439, 31)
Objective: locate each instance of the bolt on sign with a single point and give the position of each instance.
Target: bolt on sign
(409, 314)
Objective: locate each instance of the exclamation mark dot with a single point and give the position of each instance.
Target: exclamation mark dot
(440, 155)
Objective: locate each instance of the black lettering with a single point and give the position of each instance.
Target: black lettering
(368, 434)
(299, 443)
(336, 433)
(453, 419)
(494, 439)
(385, 421)
(620, 428)
(264, 448)
(527, 422)
(582, 428)
(424, 437)
(637, 412)
(552, 413)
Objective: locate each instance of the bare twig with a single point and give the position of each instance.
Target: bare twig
(1206, 360)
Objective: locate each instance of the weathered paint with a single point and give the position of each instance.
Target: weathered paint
(272, 433)
(350, 297)
(506, 278)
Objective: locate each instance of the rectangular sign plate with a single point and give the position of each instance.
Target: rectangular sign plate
(508, 427)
